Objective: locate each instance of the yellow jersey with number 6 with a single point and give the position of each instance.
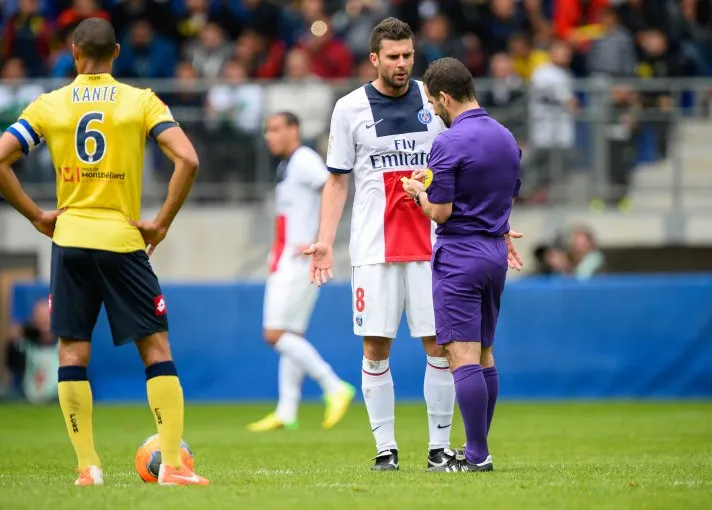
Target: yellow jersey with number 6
(96, 130)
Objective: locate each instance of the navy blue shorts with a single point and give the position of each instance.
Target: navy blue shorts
(82, 280)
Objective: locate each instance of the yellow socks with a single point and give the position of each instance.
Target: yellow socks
(76, 401)
(165, 396)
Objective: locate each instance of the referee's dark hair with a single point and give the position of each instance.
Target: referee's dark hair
(452, 77)
(391, 29)
(289, 118)
(95, 38)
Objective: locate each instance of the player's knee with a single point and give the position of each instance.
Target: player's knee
(74, 352)
(272, 336)
(154, 348)
(376, 348)
(462, 353)
(192, 162)
(432, 348)
(487, 357)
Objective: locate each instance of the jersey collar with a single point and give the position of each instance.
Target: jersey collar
(475, 112)
(94, 79)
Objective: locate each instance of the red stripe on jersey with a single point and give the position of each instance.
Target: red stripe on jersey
(405, 228)
(280, 239)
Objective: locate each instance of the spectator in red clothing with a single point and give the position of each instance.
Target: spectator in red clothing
(80, 10)
(578, 21)
(262, 55)
(27, 37)
(328, 57)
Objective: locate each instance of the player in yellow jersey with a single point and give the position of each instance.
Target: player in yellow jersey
(95, 129)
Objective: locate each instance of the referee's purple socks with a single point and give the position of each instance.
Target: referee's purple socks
(492, 381)
(473, 400)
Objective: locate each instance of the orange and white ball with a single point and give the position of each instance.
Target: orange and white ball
(148, 458)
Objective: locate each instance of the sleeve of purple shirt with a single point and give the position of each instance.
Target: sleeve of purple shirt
(443, 163)
(518, 184)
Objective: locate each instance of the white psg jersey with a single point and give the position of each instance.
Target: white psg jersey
(298, 201)
(381, 139)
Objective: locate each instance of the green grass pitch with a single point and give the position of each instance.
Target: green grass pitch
(547, 456)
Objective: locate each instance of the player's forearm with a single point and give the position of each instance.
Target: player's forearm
(178, 189)
(426, 206)
(439, 213)
(12, 191)
(333, 199)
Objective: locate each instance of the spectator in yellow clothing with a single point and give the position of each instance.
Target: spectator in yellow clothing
(525, 57)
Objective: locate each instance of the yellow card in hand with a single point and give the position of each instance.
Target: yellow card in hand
(426, 182)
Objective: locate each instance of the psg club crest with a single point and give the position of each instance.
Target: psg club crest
(425, 117)
(359, 321)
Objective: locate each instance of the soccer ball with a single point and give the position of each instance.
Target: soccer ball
(148, 458)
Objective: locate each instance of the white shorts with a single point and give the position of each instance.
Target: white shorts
(382, 292)
(289, 297)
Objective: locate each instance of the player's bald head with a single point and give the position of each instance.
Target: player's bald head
(95, 39)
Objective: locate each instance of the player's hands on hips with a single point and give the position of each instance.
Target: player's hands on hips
(46, 222)
(412, 186)
(513, 258)
(152, 232)
(320, 266)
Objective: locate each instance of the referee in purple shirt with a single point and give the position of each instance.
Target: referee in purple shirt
(475, 166)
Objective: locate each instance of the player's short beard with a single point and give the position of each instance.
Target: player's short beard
(391, 83)
(441, 112)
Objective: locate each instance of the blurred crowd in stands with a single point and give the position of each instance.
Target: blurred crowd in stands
(159, 37)
(531, 49)
(31, 358)
(572, 253)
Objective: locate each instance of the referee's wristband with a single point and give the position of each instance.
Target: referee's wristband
(417, 198)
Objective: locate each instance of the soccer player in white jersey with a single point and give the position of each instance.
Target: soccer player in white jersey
(382, 132)
(289, 299)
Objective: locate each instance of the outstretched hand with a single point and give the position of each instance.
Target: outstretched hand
(513, 258)
(320, 266)
(46, 222)
(152, 233)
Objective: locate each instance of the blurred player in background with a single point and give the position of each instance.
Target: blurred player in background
(382, 132)
(289, 299)
(96, 131)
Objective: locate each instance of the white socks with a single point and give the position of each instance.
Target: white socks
(291, 377)
(439, 391)
(378, 393)
(305, 356)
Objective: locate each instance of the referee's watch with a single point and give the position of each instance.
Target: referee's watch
(416, 198)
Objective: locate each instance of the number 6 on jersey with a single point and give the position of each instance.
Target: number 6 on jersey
(84, 134)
